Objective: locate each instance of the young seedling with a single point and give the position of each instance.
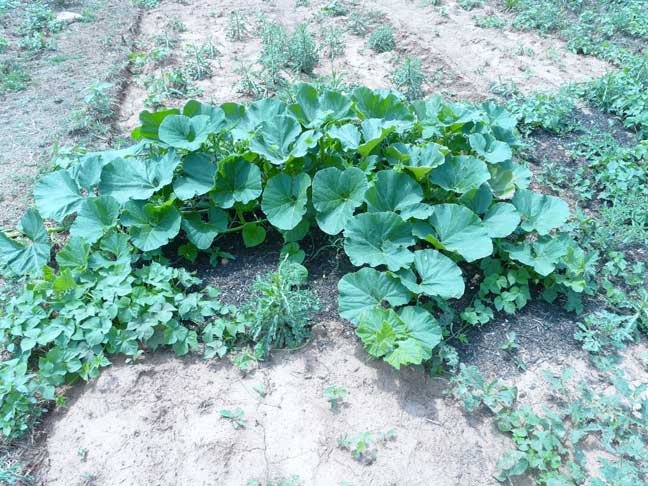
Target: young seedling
(236, 417)
(335, 395)
(382, 39)
(238, 26)
(363, 446)
(408, 77)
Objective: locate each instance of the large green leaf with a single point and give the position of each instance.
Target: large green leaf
(542, 255)
(57, 195)
(374, 131)
(151, 123)
(137, 178)
(417, 160)
(253, 234)
(284, 200)
(336, 195)
(501, 220)
(456, 228)
(186, 133)
(439, 276)
(397, 192)
(281, 140)
(379, 239)
(540, 212)
(96, 216)
(492, 150)
(255, 114)
(237, 180)
(460, 174)
(348, 135)
(202, 233)
(404, 338)
(151, 226)
(380, 104)
(196, 178)
(314, 110)
(366, 289)
(74, 255)
(26, 258)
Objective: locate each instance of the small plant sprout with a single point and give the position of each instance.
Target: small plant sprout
(236, 417)
(382, 39)
(335, 395)
(510, 343)
(408, 78)
(364, 445)
(332, 44)
(237, 29)
(302, 51)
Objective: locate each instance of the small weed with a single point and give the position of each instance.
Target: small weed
(197, 65)
(408, 78)
(364, 446)
(490, 22)
(358, 23)
(278, 311)
(551, 112)
(336, 8)
(238, 28)
(382, 39)
(236, 417)
(335, 395)
(332, 44)
(471, 4)
(168, 85)
(302, 51)
(12, 77)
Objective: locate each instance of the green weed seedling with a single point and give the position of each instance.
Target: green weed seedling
(332, 44)
(238, 26)
(236, 417)
(279, 309)
(336, 8)
(12, 77)
(382, 39)
(408, 78)
(335, 395)
(364, 445)
(358, 23)
(302, 50)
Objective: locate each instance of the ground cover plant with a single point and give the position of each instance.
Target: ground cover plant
(422, 194)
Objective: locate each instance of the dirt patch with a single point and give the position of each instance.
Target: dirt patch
(460, 59)
(158, 422)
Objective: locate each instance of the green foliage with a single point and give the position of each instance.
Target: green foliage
(490, 22)
(167, 86)
(302, 50)
(418, 191)
(332, 44)
(278, 311)
(336, 8)
(364, 445)
(358, 23)
(551, 112)
(237, 29)
(624, 93)
(12, 77)
(335, 395)
(471, 4)
(382, 39)
(236, 417)
(408, 78)
(197, 66)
